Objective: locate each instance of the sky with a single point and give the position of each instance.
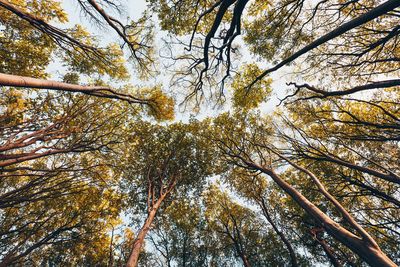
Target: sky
(133, 9)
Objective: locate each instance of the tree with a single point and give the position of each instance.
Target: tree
(77, 50)
(161, 163)
(89, 175)
(249, 150)
(340, 39)
(340, 139)
(180, 235)
(57, 194)
(239, 230)
(55, 145)
(255, 189)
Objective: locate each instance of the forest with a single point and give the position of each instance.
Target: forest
(199, 133)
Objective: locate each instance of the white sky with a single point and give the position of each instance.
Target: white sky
(133, 9)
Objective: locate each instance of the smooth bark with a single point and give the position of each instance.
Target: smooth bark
(370, 253)
(328, 251)
(356, 22)
(138, 243)
(99, 91)
(278, 232)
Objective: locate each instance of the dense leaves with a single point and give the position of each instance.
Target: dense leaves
(96, 171)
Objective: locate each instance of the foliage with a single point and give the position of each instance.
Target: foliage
(97, 170)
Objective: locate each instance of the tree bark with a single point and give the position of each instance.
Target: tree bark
(138, 243)
(279, 233)
(99, 91)
(356, 22)
(246, 262)
(370, 253)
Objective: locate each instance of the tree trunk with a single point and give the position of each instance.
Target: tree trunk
(328, 251)
(279, 233)
(370, 253)
(138, 243)
(246, 262)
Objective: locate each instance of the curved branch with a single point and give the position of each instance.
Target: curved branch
(374, 13)
(98, 91)
(113, 23)
(325, 94)
(55, 33)
(217, 21)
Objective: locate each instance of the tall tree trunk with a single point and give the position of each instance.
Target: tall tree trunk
(370, 253)
(246, 262)
(138, 243)
(329, 254)
(328, 251)
(184, 252)
(279, 233)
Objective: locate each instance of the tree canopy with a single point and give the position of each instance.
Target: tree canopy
(200, 133)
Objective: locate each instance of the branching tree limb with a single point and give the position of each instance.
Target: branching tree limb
(356, 22)
(99, 91)
(324, 94)
(59, 36)
(122, 31)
